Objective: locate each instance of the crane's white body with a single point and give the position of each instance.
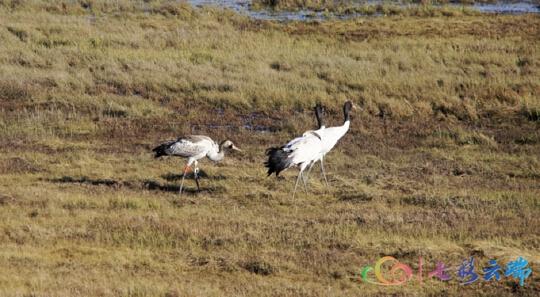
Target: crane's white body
(317, 132)
(312, 146)
(306, 150)
(329, 139)
(303, 151)
(331, 136)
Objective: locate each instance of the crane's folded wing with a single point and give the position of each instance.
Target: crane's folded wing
(186, 148)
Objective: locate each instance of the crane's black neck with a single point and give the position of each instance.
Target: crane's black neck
(319, 115)
(346, 112)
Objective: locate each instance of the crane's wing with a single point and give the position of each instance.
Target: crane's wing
(300, 150)
(197, 138)
(207, 142)
(316, 133)
(304, 148)
(184, 147)
(307, 138)
(187, 148)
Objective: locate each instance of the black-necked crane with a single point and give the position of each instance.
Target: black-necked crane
(194, 148)
(300, 152)
(330, 136)
(319, 116)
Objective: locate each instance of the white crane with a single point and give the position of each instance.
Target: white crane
(194, 147)
(300, 152)
(330, 136)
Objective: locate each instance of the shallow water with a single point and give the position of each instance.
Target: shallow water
(511, 7)
(243, 6)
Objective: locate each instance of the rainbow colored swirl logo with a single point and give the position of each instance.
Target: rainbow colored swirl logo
(399, 273)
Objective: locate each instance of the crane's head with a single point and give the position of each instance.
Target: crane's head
(347, 107)
(229, 145)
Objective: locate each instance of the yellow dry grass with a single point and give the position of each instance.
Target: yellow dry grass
(442, 162)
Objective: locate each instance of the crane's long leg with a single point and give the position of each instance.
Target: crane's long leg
(304, 180)
(296, 184)
(196, 174)
(309, 170)
(183, 177)
(322, 170)
(300, 175)
(186, 170)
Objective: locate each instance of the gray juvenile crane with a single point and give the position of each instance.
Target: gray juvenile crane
(194, 147)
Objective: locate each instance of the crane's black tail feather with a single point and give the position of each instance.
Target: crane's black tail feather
(278, 160)
(161, 150)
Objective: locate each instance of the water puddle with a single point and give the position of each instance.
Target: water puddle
(244, 7)
(510, 7)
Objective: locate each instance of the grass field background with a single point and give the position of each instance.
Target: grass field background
(442, 161)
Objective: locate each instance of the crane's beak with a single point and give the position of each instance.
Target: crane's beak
(236, 148)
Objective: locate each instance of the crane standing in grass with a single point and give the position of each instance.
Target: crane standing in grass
(330, 136)
(301, 152)
(194, 147)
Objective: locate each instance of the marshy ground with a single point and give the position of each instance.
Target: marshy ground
(443, 162)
